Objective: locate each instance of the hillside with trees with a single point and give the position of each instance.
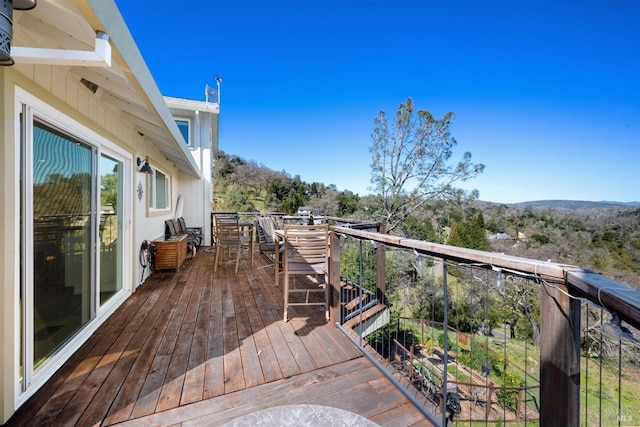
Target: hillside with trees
(246, 186)
(414, 179)
(601, 237)
(415, 195)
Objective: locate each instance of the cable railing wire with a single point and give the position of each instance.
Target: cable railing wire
(525, 396)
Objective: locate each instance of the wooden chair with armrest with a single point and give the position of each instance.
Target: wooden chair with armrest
(229, 236)
(306, 252)
(265, 227)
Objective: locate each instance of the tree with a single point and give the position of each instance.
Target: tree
(109, 190)
(236, 199)
(521, 296)
(419, 229)
(347, 203)
(326, 204)
(223, 167)
(469, 234)
(411, 163)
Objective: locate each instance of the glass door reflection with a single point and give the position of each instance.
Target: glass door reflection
(62, 239)
(110, 229)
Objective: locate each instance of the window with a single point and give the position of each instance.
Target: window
(159, 191)
(184, 125)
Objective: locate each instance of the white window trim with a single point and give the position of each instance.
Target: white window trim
(152, 195)
(189, 122)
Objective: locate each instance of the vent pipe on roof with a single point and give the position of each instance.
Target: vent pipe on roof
(6, 26)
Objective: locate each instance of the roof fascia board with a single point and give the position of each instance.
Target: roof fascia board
(192, 105)
(105, 16)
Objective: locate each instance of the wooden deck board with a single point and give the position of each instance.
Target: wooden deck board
(179, 346)
(77, 406)
(252, 370)
(268, 361)
(62, 387)
(214, 366)
(194, 378)
(133, 367)
(125, 401)
(171, 392)
(147, 400)
(197, 348)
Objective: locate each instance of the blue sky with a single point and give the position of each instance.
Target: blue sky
(546, 94)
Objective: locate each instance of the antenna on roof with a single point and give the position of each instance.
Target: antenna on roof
(210, 92)
(218, 80)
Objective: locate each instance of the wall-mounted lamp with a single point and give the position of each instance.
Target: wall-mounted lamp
(145, 168)
(6, 26)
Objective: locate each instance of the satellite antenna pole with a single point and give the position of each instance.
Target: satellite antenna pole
(218, 80)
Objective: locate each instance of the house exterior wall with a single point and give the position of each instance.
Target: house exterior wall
(198, 194)
(9, 168)
(86, 111)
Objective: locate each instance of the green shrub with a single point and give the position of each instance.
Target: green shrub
(441, 341)
(508, 398)
(541, 238)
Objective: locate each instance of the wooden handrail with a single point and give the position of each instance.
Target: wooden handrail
(598, 289)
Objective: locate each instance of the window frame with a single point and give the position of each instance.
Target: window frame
(189, 137)
(152, 188)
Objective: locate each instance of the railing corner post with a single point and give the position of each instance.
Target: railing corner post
(559, 357)
(381, 286)
(334, 279)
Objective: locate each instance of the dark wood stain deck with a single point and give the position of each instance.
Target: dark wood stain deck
(196, 348)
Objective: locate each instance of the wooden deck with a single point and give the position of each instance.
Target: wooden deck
(194, 348)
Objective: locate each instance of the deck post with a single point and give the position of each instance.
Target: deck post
(381, 286)
(487, 405)
(559, 357)
(334, 278)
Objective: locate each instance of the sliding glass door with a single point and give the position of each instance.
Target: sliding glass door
(74, 211)
(63, 221)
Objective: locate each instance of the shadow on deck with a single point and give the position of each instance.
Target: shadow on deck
(194, 348)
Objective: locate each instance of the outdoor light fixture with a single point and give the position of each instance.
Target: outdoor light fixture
(614, 329)
(6, 26)
(24, 4)
(145, 168)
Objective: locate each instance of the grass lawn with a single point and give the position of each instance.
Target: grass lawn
(604, 395)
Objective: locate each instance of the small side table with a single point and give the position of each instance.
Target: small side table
(171, 252)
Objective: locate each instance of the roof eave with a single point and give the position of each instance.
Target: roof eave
(105, 16)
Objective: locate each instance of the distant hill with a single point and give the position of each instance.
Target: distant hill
(575, 205)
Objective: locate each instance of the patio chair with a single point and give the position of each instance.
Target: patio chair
(265, 227)
(215, 215)
(230, 235)
(194, 233)
(178, 226)
(306, 252)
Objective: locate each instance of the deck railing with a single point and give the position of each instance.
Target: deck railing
(563, 363)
